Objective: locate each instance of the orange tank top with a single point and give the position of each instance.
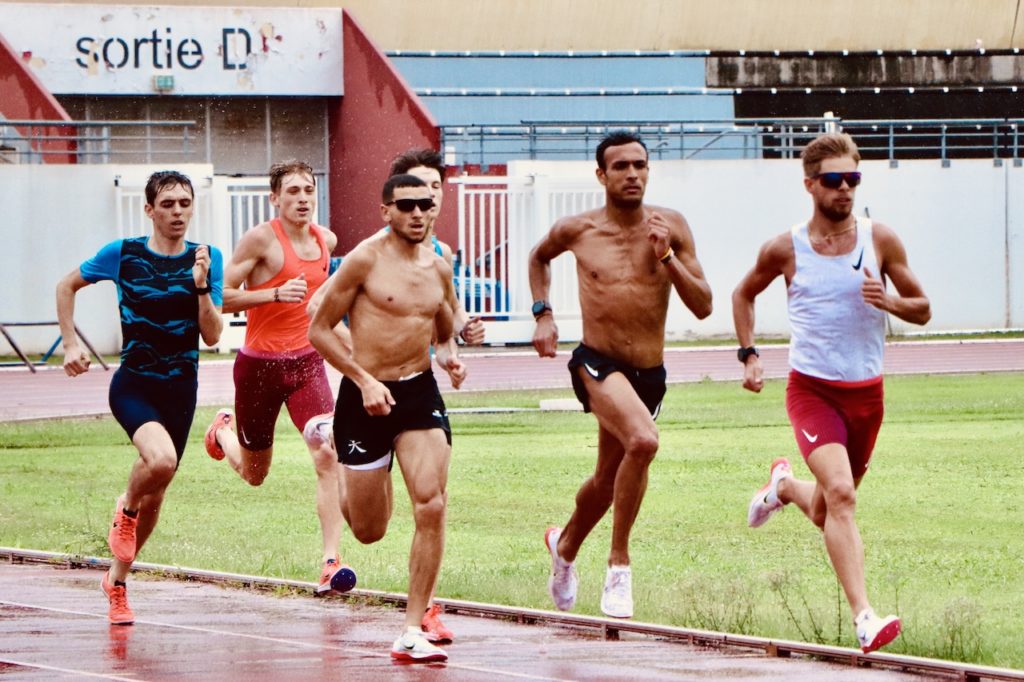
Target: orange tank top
(283, 327)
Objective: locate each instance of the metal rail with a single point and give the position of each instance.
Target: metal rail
(26, 140)
(609, 628)
(740, 138)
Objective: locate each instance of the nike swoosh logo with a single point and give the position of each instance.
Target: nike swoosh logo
(593, 372)
(860, 259)
(809, 437)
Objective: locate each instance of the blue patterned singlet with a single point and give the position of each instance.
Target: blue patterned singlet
(158, 302)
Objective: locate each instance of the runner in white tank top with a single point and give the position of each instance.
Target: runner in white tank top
(833, 266)
(836, 334)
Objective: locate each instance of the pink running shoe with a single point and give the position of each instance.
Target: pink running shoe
(120, 613)
(433, 629)
(766, 500)
(121, 537)
(220, 420)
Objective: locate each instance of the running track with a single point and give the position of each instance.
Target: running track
(49, 393)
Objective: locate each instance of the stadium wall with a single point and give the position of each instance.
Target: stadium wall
(963, 227)
(672, 24)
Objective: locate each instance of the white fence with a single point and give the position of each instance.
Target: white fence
(963, 226)
(59, 215)
(500, 219)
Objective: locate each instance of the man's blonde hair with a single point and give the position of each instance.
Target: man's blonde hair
(827, 146)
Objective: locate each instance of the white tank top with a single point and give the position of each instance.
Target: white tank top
(836, 335)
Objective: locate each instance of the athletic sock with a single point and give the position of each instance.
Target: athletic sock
(130, 513)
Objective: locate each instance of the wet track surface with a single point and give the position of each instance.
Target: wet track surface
(54, 626)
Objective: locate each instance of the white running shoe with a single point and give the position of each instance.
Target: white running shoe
(318, 430)
(874, 632)
(617, 599)
(563, 581)
(766, 500)
(413, 647)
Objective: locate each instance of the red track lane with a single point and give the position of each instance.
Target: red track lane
(49, 393)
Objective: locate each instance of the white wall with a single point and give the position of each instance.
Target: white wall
(963, 227)
(57, 216)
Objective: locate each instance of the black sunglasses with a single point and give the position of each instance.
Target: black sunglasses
(407, 205)
(835, 180)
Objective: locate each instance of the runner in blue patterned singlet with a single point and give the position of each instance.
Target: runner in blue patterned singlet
(169, 294)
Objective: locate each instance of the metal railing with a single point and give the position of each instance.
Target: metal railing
(742, 138)
(30, 141)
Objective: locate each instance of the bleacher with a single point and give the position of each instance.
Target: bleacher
(519, 90)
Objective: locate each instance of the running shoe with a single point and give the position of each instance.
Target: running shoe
(121, 537)
(120, 613)
(563, 581)
(318, 429)
(766, 500)
(336, 576)
(220, 420)
(874, 632)
(617, 598)
(413, 647)
(433, 629)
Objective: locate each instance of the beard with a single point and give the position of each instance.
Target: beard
(836, 214)
(410, 239)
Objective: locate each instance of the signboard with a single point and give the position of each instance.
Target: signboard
(178, 50)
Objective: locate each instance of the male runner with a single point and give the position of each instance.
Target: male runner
(388, 404)
(169, 294)
(629, 258)
(282, 263)
(834, 265)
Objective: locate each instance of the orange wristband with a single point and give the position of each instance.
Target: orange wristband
(668, 255)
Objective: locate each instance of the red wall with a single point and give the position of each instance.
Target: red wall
(23, 96)
(378, 118)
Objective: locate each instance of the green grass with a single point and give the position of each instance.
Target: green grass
(940, 513)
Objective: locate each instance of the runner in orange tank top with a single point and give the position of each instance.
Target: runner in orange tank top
(281, 264)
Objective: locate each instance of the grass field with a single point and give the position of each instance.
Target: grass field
(940, 513)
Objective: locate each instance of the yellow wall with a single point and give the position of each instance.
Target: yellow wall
(672, 24)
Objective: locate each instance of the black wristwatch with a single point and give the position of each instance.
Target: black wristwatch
(540, 307)
(205, 290)
(743, 353)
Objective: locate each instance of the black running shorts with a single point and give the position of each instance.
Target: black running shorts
(361, 439)
(649, 383)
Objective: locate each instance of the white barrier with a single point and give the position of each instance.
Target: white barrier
(61, 214)
(963, 227)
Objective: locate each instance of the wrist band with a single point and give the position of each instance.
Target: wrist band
(277, 299)
(204, 290)
(668, 255)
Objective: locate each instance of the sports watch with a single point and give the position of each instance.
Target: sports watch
(743, 353)
(540, 307)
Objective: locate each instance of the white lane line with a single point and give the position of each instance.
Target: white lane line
(278, 640)
(68, 671)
